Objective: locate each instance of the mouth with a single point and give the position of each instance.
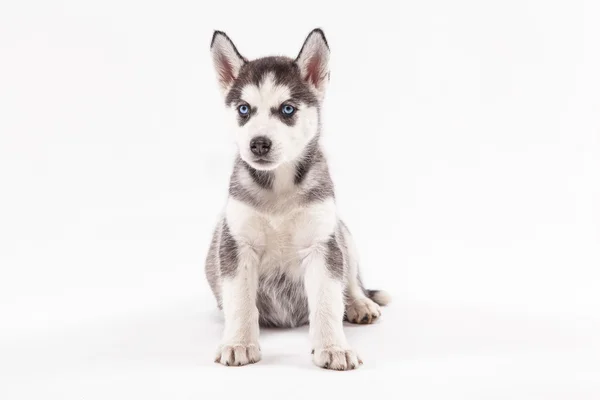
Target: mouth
(263, 163)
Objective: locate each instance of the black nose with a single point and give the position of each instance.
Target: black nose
(260, 145)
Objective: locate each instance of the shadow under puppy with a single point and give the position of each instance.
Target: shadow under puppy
(280, 256)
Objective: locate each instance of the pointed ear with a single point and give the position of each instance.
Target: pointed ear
(313, 61)
(226, 59)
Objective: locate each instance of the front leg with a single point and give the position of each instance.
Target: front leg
(239, 272)
(324, 268)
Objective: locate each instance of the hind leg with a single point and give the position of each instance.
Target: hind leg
(360, 309)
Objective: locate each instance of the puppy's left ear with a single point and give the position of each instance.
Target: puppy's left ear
(313, 61)
(226, 58)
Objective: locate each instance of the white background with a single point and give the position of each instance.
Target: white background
(464, 142)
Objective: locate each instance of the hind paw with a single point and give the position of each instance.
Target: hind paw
(363, 311)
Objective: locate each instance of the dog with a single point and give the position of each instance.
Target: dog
(280, 256)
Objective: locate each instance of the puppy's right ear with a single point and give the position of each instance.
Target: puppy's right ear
(226, 59)
(313, 61)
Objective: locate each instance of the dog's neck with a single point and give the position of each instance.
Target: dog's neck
(289, 175)
(304, 180)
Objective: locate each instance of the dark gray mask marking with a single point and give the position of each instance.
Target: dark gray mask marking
(289, 120)
(286, 73)
(243, 119)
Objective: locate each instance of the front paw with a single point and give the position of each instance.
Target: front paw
(237, 354)
(335, 357)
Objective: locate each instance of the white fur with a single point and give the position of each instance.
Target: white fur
(382, 297)
(240, 338)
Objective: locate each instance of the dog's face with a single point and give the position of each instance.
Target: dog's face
(273, 102)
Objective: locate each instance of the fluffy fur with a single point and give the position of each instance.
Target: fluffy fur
(280, 256)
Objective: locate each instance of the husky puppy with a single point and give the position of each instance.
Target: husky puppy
(280, 256)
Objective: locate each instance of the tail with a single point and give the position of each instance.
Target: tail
(380, 297)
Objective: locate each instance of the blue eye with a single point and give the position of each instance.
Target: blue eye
(244, 110)
(287, 110)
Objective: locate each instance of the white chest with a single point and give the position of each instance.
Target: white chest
(281, 239)
(281, 235)
(282, 247)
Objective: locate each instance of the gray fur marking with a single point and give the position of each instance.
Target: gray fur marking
(335, 258)
(281, 301)
(212, 265)
(228, 252)
(310, 156)
(264, 179)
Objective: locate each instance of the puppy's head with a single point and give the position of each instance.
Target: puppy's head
(273, 102)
